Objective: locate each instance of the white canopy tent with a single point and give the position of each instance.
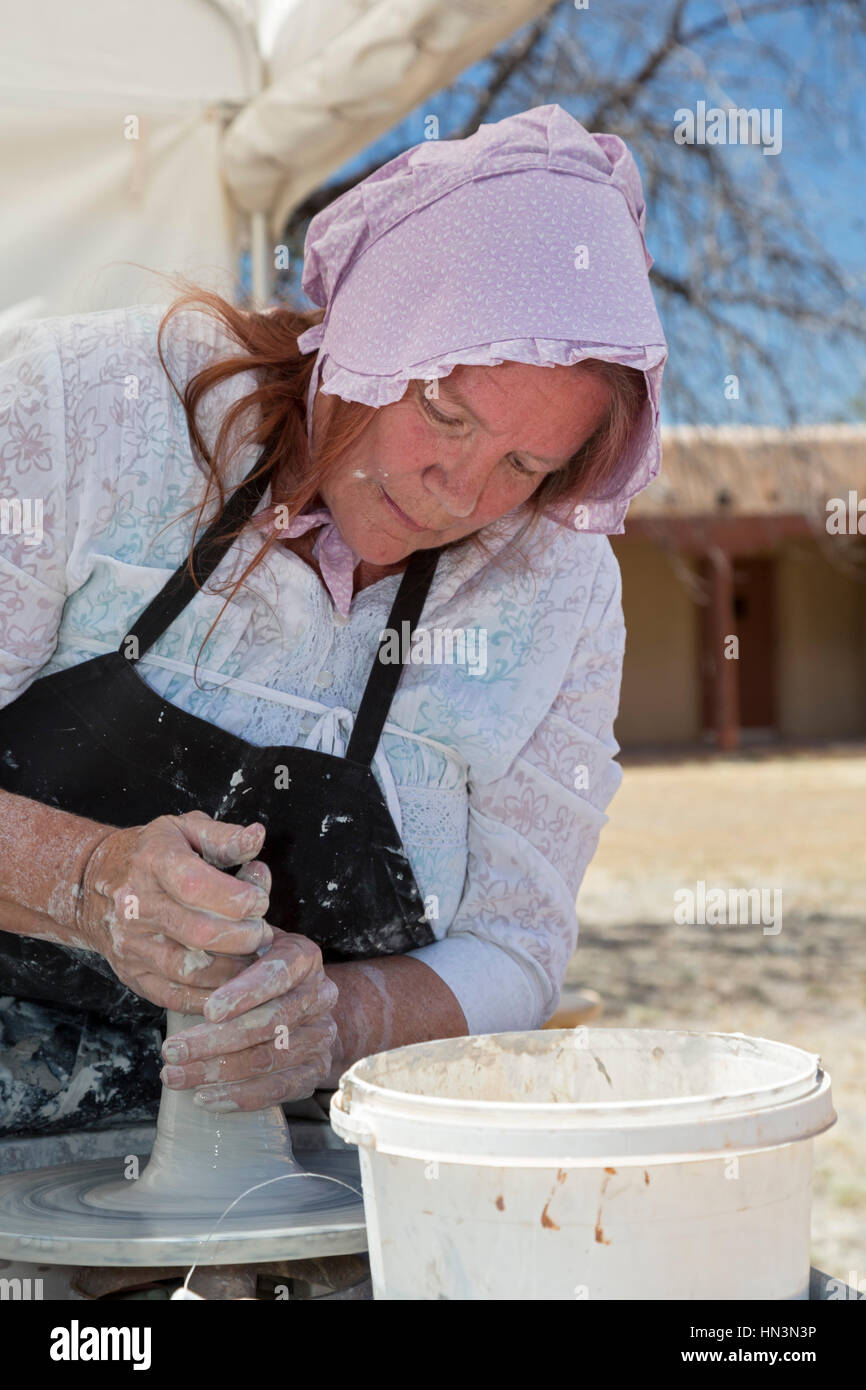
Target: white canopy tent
(170, 135)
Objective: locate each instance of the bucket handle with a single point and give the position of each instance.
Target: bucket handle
(361, 1133)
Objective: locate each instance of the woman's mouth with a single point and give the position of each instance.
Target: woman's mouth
(400, 515)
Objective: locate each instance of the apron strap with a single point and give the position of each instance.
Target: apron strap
(181, 588)
(384, 675)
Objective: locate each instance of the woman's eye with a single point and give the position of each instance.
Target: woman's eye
(441, 419)
(521, 469)
(437, 415)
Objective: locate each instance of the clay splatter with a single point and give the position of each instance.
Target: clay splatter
(599, 1231)
(546, 1220)
(194, 960)
(602, 1068)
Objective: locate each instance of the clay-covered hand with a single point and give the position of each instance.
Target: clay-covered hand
(156, 899)
(270, 1034)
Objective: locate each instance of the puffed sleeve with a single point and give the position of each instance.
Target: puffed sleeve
(532, 834)
(35, 515)
(92, 437)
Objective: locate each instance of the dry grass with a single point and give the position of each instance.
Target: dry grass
(795, 823)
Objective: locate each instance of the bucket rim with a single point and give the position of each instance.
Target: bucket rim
(804, 1084)
(418, 1134)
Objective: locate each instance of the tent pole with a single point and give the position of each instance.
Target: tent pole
(261, 259)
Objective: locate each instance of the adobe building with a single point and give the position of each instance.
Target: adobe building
(739, 536)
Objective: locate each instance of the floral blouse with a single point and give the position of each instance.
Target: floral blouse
(497, 771)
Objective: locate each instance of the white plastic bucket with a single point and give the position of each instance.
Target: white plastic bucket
(599, 1163)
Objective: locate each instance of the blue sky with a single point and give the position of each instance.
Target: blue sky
(823, 157)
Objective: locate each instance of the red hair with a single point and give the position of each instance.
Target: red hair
(268, 343)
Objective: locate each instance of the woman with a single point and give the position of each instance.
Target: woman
(450, 436)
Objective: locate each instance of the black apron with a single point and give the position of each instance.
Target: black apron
(98, 741)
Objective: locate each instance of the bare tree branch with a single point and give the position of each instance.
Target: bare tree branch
(739, 269)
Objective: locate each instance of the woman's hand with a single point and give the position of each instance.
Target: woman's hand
(155, 901)
(270, 1034)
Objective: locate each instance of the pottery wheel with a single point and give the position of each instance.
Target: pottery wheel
(218, 1189)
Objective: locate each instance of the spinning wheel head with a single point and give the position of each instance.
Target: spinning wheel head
(218, 1189)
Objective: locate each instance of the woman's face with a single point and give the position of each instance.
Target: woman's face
(427, 471)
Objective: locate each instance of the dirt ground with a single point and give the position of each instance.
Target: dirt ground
(796, 823)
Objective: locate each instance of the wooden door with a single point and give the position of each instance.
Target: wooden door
(755, 626)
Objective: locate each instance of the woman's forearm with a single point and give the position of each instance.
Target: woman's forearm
(388, 1003)
(22, 921)
(44, 851)
(43, 855)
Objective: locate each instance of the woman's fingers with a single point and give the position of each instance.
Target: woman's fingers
(256, 872)
(220, 842)
(270, 1034)
(267, 1023)
(155, 898)
(201, 888)
(201, 931)
(295, 1083)
(158, 915)
(306, 1044)
(286, 965)
(187, 878)
(156, 954)
(182, 999)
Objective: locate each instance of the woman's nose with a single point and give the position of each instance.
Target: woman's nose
(457, 483)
